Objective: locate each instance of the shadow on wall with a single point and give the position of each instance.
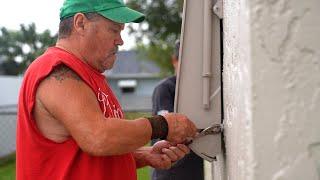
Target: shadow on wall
(314, 150)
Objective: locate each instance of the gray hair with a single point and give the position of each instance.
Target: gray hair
(66, 25)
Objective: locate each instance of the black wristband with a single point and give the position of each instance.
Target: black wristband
(159, 127)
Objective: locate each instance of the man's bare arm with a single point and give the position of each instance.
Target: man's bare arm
(70, 101)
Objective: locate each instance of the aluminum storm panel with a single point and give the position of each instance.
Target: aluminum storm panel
(198, 93)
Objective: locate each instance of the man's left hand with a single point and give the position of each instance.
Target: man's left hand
(163, 154)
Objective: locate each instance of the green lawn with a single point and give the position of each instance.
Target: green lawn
(134, 115)
(8, 168)
(7, 171)
(8, 165)
(144, 173)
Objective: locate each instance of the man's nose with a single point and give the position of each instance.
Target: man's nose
(119, 41)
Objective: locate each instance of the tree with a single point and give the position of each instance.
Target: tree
(19, 48)
(162, 28)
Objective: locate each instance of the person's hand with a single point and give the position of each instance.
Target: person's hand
(163, 154)
(180, 128)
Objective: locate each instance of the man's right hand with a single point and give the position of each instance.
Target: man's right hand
(180, 128)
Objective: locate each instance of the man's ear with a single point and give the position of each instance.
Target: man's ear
(174, 61)
(79, 23)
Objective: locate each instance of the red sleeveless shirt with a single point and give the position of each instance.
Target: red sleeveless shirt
(41, 158)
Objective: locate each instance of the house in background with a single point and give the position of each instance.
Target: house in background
(133, 79)
(10, 86)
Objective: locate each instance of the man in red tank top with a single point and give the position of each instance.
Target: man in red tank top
(70, 125)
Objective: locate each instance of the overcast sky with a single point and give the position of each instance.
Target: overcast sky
(44, 13)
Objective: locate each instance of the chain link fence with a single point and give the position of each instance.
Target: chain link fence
(8, 119)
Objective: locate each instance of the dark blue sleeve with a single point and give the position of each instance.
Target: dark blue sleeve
(162, 99)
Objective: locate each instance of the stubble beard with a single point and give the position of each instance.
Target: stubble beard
(110, 59)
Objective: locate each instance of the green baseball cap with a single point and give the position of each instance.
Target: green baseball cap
(114, 10)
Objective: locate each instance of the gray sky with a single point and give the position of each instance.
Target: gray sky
(44, 13)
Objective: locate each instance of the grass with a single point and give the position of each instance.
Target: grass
(144, 173)
(7, 172)
(8, 167)
(8, 164)
(134, 115)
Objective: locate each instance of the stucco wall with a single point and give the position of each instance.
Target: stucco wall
(272, 89)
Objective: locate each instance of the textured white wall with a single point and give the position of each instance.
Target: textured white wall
(272, 89)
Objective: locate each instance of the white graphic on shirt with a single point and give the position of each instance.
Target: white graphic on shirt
(106, 105)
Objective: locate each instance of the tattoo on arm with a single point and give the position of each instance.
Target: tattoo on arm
(62, 72)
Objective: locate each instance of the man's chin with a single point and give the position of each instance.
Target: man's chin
(110, 63)
(107, 67)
